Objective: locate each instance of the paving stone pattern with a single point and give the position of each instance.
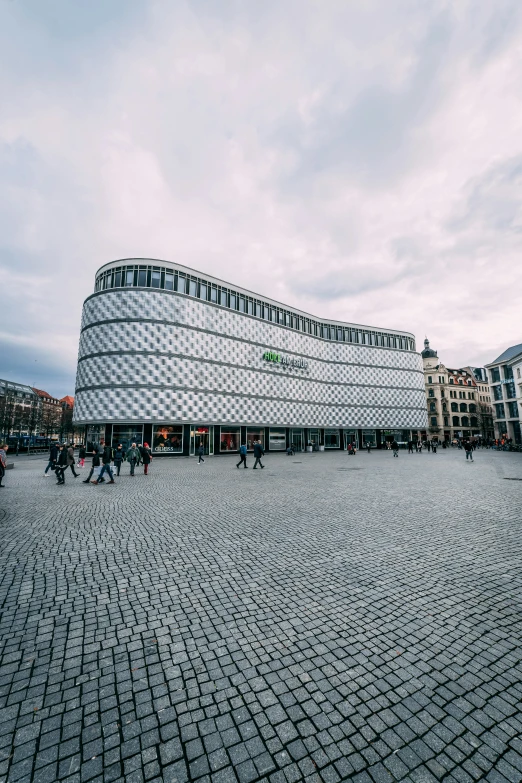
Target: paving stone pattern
(329, 618)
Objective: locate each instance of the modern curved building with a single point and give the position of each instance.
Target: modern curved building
(176, 358)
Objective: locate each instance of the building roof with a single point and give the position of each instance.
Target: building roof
(42, 393)
(68, 400)
(19, 387)
(428, 353)
(508, 354)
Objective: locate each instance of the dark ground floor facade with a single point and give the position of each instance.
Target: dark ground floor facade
(185, 439)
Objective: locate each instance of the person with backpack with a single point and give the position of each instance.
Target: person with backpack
(132, 457)
(106, 458)
(146, 457)
(258, 453)
(242, 456)
(119, 456)
(53, 456)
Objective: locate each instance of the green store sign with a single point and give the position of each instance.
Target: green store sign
(287, 361)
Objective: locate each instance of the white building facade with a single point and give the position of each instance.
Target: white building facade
(177, 359)
(505, 380)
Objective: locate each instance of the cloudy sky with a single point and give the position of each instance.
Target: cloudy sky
(360, 161)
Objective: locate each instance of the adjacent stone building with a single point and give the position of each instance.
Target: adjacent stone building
(457, 400)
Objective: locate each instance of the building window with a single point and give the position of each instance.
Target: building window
(500, 410)
(432, 406)
(495, 375)
(331, 439)
(126, 434)
(472, 408)
(446, 421)
(229, 438)
(455, 421)
(430, 379)
(441, 379)
(253, 434)
(431, 393)
(465, 421)
(454, 407)
(167, 439)
(474, 421)
(433, 421)
(277, 439)
(463, 407)
(497, 392)
(442, 393)
(513, 410)
(510, 390)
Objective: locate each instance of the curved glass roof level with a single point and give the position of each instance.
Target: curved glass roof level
(167, 276)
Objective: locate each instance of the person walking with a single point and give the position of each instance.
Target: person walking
(3, 462)
(94, 466)
(468, 448)
(410, 447)
(434, 446)
(242, 456)
(119, 456)
(146, 458)
(428, 446)
(106, 458)
(201, 451)
(81, 456)
(395, 447)
(53, 456)
(132, 457)
(138, 458)
(369, 446)
(61, 465)
(258, 453)
(71, 460)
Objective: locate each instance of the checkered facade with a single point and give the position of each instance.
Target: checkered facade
(155, 356)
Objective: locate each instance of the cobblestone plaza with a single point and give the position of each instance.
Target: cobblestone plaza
(330, 618)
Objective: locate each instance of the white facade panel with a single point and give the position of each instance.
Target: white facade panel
(151, 355)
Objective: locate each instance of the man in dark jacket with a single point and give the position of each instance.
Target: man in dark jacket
(53, 456)
(61, 465)
(106, 461)
(258, 453)
(468, 447)
(395, 447)
(94, 466)
(119, 456)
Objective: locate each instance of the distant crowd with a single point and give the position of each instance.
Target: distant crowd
(104, 459)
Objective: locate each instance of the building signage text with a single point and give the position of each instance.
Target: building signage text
(287, 361)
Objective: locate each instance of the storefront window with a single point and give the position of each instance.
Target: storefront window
(229, 438)
(167, 439)
(331, 439)
(370, 436)
(95, 433)
(255, 433)
(314, 438)
(277, 440)
(351, 436)
(126, 434)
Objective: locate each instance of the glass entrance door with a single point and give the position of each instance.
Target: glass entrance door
(201, 436)
(351, 436)
(296, 439)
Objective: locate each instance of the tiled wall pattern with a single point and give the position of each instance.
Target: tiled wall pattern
(150, 355)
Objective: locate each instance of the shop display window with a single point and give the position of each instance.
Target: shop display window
(331, 439)
(255, 433)
(167, 439)
(126, 434)
(277, 440)
(229, 438)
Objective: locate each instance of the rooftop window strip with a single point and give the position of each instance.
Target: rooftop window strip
(146, 276)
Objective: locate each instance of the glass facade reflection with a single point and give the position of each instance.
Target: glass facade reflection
(255, 433)
(332, 439)
(126, 434)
